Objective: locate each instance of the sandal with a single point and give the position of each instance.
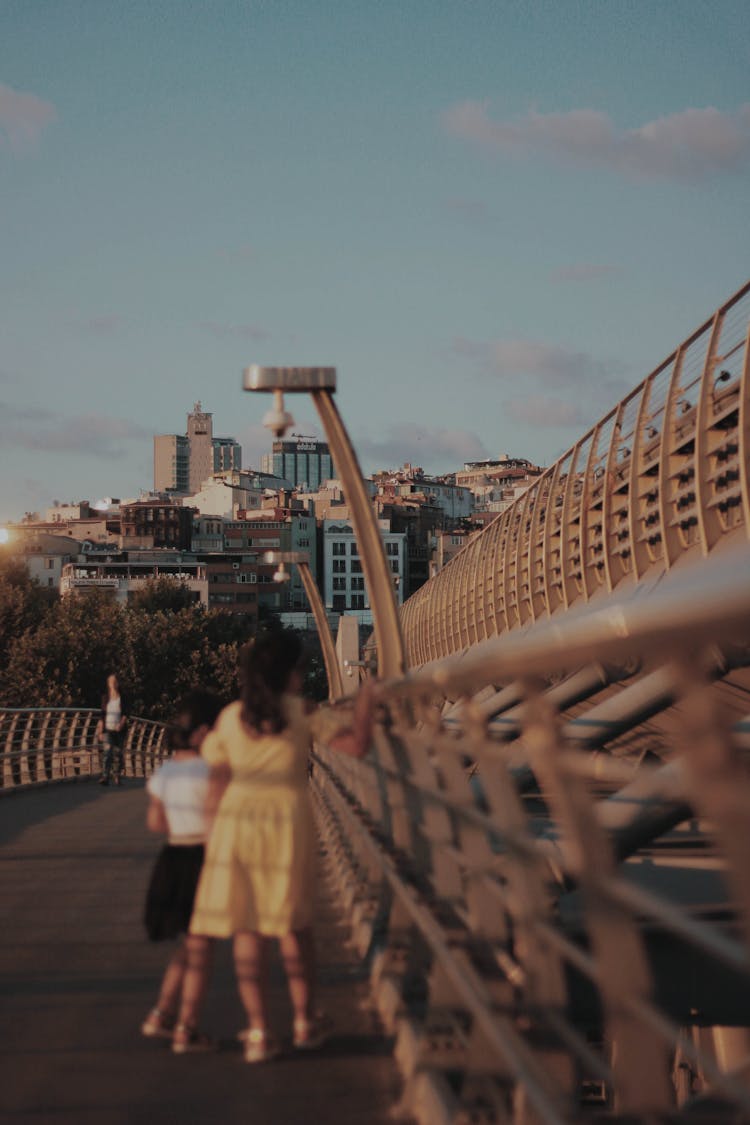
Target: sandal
(312, 1033)
(260, 1045)
(158, 1025)
(188, 1040)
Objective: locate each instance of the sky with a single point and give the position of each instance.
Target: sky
(494, 218)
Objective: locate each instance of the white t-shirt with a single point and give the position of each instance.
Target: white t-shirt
(113, 714)
(182, 788)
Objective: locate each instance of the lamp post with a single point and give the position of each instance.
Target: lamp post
(302, 562)
(320, 383)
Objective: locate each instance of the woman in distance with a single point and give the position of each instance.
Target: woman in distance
(110, 729)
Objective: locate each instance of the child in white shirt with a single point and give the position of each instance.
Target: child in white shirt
(178, 792)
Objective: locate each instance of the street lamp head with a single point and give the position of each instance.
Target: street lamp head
(273, 558)
(277, 380)
(277, 419)
(281, 574)
(257, 378)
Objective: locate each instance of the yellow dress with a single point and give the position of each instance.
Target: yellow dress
(259, 870)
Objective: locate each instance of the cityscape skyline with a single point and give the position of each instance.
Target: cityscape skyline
(493, 220)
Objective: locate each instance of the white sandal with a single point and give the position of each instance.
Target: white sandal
(260, 1045)
(310, 1034)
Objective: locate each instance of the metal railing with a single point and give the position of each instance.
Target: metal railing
(39, 745)
(664, 475)
(545, 853)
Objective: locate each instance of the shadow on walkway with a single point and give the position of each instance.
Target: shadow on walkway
(77, 976)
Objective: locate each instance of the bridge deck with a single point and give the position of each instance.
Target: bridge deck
(77, 976)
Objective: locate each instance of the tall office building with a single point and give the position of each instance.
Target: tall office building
(182, 462)
(305, 462)
(171, 463)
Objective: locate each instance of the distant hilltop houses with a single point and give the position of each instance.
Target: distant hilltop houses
(208, 523)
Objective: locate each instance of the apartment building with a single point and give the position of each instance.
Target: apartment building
(343, 578)
(182, 462)
(276, 529)
(121, 574)
(147, 524)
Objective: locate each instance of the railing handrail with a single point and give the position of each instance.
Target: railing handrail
(658, 477)
(49, 745)
(434, 813)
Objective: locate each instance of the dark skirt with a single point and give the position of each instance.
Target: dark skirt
(171, 890)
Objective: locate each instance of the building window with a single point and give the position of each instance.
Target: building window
(339, 566)
(339, 602)
(339, 583)
(354, 549)
(338, 549)
(358, 601)
(391, 548)
(356, 566)
(394, 566)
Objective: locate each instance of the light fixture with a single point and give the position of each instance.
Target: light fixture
(277, 419)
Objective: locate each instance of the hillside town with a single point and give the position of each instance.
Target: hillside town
(208, 523)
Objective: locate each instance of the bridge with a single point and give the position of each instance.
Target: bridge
(542, 863)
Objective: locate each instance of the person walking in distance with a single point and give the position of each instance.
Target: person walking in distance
(109, 731)
(178, 793)
(257, 881)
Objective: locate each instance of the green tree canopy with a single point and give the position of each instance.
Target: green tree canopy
(58, 652)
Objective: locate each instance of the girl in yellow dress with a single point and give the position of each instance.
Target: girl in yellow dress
(258, 877)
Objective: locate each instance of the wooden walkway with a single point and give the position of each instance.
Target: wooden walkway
(77, 976)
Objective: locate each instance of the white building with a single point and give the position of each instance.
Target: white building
(121, 577)
(224, 494)
(344, 583)
(44, 554)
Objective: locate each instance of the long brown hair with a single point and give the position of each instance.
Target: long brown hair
(266, 666)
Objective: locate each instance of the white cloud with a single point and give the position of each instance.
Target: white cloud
(554, 385)
(473, 211)
(107, 324)
(23, 118)
(540, 410)
(549, 364)
(686, 145)
(11, 413)
(235, 331)
(242, 252)
(435, 449)
(94, 435)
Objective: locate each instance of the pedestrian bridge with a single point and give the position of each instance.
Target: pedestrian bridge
(542, 863)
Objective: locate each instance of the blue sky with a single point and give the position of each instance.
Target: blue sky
(494, 218)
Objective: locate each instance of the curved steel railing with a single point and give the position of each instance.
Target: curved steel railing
(39, 745)
(664, 475)
(581, 946)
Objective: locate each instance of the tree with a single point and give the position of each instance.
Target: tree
(160, 645)
(167, 595)
(23, 604)
(65, 660)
